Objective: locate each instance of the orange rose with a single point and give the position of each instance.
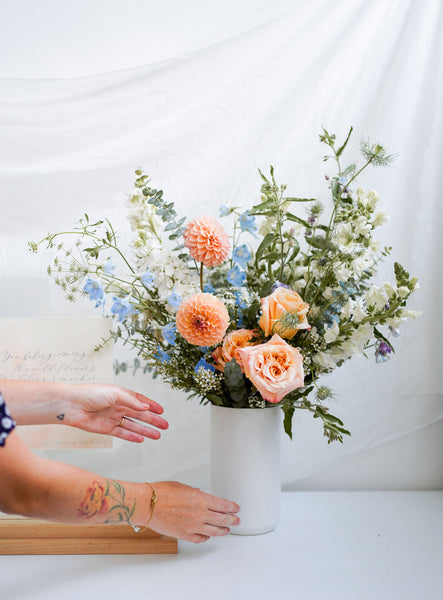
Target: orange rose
(231, 344)
(95, 502)
(275, 368)
(283, 312)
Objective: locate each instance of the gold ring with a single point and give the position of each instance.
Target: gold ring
(121, 422)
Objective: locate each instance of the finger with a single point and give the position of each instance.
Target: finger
(222, 519)
(197, 538)
(148, 417)
(212, 531)
(139, 429)
(222, 505)
(146, 402)
(128, 436)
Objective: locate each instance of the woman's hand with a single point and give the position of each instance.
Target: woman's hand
(189, 514)
(113, 410)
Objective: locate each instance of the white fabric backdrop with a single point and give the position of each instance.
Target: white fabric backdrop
(201, 99)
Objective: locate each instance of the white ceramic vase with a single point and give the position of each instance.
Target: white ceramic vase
(245, 464)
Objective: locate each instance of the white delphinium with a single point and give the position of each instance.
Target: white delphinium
(142, 215)
(390, 290)
(343, 237)
(380, 218)
(369, 200)
(362, 263)
(331, 333)
(361, 226)
(342, 272)
(324, 360)
(377, 297)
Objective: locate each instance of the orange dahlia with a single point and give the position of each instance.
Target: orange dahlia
(207, 241)
(202, 320)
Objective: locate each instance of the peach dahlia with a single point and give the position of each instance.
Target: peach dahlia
(207, 241)
(202, 320)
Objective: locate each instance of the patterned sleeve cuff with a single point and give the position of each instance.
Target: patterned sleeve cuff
(7, 424)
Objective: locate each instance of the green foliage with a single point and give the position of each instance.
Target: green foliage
(236, 384)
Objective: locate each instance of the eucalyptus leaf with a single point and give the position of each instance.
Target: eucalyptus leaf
(236, 383)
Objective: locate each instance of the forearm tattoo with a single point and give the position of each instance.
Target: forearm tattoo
(106, 499)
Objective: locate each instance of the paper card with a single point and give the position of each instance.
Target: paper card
(56, 350)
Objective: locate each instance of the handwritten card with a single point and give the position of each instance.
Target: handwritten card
(56, 350)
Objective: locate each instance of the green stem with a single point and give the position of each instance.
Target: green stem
(201, 276)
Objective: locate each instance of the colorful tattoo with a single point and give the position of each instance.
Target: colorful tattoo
(106, 499)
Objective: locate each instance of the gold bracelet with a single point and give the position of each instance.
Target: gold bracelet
(154, 501)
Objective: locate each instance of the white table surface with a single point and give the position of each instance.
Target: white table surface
(328, 545)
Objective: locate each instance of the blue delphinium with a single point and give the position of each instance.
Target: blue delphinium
(236, 277)
(122, 307)
(95, 291)
(208, 288)
(162, 355)
(224, 210)
(168, 332)
(174, 299)
(147, 279)
(202, 364)
(108, 267)
(247, 222)
(241, 255)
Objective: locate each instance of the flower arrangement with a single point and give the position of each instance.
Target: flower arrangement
(254, 318)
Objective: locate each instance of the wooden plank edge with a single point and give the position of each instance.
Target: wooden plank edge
(33, 528)
(45, 546)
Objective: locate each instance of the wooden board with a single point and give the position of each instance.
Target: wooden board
(31, 536)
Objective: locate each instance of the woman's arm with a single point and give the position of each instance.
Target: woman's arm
(42, 488)
(98, 408)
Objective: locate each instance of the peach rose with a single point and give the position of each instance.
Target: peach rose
(275, 368)
(231, 344)
(283, 312)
